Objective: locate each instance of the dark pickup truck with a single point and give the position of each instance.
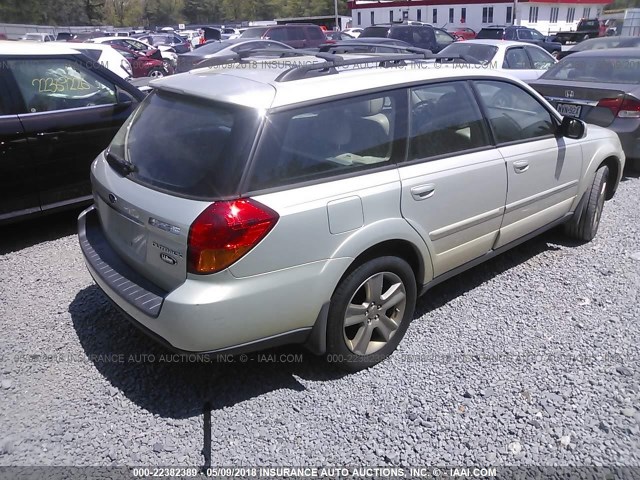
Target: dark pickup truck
(586, 29)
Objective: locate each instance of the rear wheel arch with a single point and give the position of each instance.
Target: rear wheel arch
(614, 170)
(392, 248)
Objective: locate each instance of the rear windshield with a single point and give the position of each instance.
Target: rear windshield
(375, 32)
(422, 37)
(490, 33)
(253, 33)
(212, 47)
(596, 69)
(186, 146)
(484, 53)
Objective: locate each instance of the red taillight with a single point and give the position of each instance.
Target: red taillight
(225, 231)
(623, 107)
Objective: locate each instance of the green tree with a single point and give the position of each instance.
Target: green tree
(163, 12)
(201, 11)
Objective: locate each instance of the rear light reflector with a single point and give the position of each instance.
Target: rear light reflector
(622, 107)
(225, 231)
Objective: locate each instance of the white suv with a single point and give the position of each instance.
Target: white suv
(313, 200)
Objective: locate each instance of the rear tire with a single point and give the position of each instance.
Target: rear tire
(370, 312)
(586, 220)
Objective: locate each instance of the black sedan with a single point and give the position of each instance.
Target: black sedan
(600, 87)
(218, 52)
(58, 110)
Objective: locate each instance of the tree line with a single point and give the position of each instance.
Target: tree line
(152, 13)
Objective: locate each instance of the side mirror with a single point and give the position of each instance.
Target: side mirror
(123, 100)
(572, 128)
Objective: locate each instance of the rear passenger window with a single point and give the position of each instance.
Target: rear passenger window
(513, 113)
(59, 84)
(445, 119)
(279, 34)
(326, 140)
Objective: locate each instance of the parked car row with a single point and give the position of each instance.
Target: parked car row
(575, 88)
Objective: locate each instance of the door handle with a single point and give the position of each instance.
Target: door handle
(521, 166)
(422, 192)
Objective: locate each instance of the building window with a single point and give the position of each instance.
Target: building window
(586, 13)
(419, 17)
(435, 15)
(463, 15)
(533, 14)
(487, 15)
(571, 13)
(391, 15)
(509, 19)
(451, 15)
(373, 20)
(554, 14)
(359, 18)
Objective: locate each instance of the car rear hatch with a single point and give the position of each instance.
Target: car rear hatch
(169, 162)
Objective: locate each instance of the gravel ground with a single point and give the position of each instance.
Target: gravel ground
(530, 359)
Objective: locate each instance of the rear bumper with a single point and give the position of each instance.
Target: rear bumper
(214, 313)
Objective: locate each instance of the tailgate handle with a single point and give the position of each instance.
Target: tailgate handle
(521, 166)
(422, 192)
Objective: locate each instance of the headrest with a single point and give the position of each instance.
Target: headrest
(367, 108)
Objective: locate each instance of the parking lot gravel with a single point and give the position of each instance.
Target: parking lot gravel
(530, 359)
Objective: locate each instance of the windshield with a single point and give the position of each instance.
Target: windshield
(536, 35)
(187, 146)
(484, 53)
(253, 33)
(160, 39)
(596, 69)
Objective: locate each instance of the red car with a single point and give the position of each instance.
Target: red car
(462, 33)
(143, 65)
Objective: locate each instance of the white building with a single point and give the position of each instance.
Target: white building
(545, 16)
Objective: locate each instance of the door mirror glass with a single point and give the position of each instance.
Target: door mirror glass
(572, 128)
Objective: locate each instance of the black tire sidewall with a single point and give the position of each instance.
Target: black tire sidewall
(591, 208)
(337, 350)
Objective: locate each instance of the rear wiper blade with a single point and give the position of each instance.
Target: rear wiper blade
(120, 165)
